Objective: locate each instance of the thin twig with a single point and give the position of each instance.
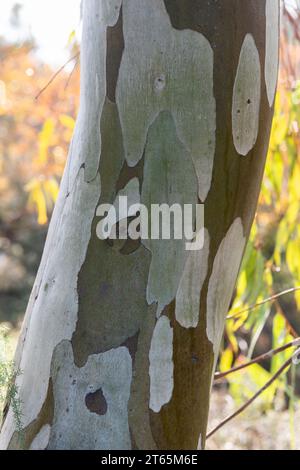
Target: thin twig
(262, 302)
(257, 394)
(71, 74)
(262, 357)
(55, 75)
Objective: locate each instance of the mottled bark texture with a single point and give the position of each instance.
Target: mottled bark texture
(121, 339)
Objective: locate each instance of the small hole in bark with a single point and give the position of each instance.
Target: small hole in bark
(248, 101)
(160, 83)
(96, 403)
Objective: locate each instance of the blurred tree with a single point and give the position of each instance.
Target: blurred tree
(35, 135)
(15, 15)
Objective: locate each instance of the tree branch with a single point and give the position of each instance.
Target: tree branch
(262, 302)
(262, 357)
(71, 73)
(257, 394)
(55, 75)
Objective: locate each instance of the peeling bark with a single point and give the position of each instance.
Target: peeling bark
(121, 338)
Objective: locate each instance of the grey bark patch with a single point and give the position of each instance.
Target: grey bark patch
(96, 403)
(221, 284)
(164, 69)
(272, 48)
(75, 427)
(169, 178)
(189, 292)
(161, 368)
(97, 17)
(246, 98)
(115, 47)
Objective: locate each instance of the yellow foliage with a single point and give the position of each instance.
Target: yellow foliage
(51, 188)
(45, 140)
(67, 121)
(37, 199)
(35, 133)
(226, 360)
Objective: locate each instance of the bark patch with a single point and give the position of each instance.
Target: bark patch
(115, 47)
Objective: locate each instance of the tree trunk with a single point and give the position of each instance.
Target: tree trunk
(120, 340)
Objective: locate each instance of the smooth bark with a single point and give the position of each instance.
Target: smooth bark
(120, 340)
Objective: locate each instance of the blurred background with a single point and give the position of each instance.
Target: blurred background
(39, 90)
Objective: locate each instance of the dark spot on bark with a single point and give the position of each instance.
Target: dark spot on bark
(239, 111)
(195, 359)
(160, 83)
(248, 101)
(115, 47)
(96, 403)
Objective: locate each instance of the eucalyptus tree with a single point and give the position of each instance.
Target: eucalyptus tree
(121, 338)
